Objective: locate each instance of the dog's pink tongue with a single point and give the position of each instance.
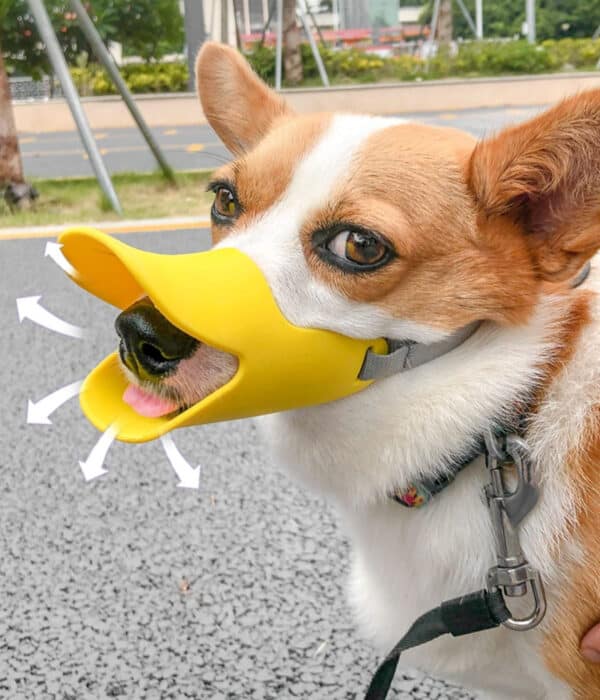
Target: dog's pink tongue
(147, 404)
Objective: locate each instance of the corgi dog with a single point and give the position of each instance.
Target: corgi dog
(379, 227)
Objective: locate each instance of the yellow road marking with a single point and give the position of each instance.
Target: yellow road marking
(170, 132)
(193, 148)
(448, 116)
(27, 139)
(100, 136)
(515, 111)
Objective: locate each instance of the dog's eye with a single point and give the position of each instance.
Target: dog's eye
(225, 205)
(359, 247)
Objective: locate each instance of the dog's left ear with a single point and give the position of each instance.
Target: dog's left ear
(236, 102)
(545, 176)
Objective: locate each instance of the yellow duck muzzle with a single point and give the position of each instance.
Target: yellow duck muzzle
(220, 298)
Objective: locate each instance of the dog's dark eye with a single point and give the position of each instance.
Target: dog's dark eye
(358, 247)
(225, 205)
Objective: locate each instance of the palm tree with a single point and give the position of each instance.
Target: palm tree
(445, 28)
(292, 37)
(11, 167)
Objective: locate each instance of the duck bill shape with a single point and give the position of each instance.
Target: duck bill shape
(221, 298)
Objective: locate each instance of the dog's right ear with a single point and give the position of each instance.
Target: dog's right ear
(237, 104)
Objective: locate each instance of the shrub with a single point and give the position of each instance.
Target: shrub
(351, 65)
(140, 78)
(574, 53)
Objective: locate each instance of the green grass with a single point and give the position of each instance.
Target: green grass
(78, 200)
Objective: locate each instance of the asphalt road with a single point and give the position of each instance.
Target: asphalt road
(94, 602)
(61, 154)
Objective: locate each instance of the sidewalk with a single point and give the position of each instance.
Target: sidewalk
(394, 98)
(179, 223)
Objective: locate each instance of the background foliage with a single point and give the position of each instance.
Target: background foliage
(555, 19)
(351, 66)
(146, 28)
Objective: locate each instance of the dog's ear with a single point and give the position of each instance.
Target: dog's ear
(545, 176)
(237, 104)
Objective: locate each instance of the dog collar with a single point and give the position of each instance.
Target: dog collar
(403, 355)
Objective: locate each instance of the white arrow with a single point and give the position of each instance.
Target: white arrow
(93, 467)
(29, 307)
(53, 250)
(37, 413)
(189, 478)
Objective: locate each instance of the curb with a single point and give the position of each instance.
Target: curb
(114, 227)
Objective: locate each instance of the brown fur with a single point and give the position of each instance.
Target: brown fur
(408, 185)
(238, 105)
(273, 160)
(544, 175)
(579, 604)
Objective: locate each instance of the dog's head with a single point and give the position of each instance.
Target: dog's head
(377, 227)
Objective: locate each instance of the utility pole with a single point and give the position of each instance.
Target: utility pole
(195, 35)
(479, 19)
(530, 19)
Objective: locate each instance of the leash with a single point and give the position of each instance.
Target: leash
(470, 613)
(512, 576)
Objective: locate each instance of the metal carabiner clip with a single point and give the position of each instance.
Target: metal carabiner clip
(513, 573)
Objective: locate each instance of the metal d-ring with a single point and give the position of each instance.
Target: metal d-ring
(523, 576)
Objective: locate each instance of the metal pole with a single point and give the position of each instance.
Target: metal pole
(224, 21)
(313, 19)
(246, 6)
(314, 49)
(195, 35)
(479, 18)
(530, 19)
(102, 54)
(279, 45)
(434, 26)
(61, 69)
(467, 16)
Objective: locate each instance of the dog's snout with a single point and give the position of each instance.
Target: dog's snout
(150, 345)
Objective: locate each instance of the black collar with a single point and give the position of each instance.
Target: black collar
(421, 492)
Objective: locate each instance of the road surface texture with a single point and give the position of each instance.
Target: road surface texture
(129, 587)
(61, 154)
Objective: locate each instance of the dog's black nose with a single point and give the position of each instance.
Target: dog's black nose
(151, 346)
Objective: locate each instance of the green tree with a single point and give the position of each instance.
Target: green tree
(147, 28)
(23, 51)
(555, 19)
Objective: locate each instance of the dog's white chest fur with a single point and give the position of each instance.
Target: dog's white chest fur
(406, 561)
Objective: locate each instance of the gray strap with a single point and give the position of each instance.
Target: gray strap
(582, 275)
(404, 355)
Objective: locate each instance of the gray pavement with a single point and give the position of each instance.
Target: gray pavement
(93, 596)
(189, 148)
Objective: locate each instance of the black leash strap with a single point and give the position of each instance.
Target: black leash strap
(470, 613)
